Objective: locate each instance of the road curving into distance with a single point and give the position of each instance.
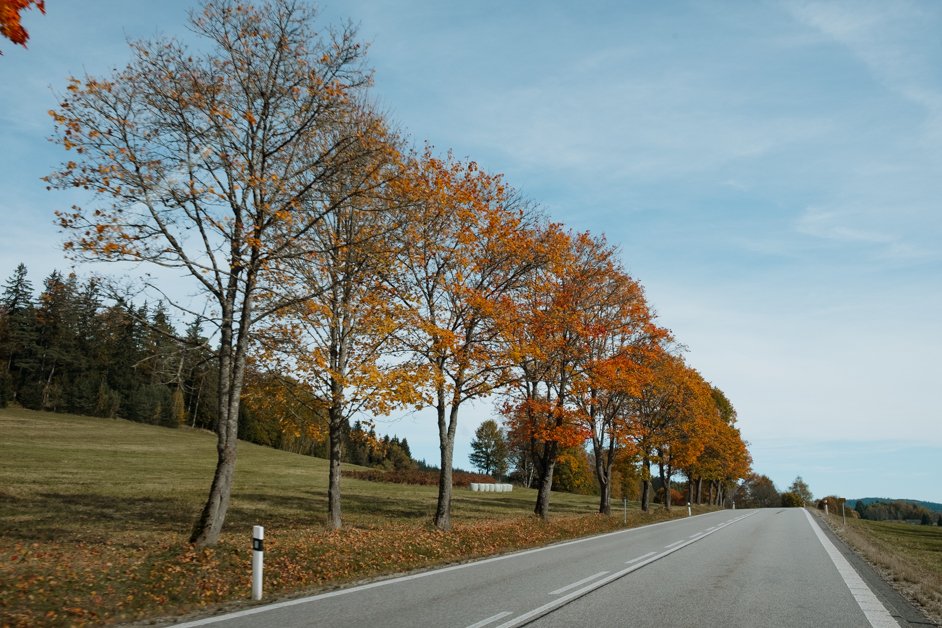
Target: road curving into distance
(769, 567)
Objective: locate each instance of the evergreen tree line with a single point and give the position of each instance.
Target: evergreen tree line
(72, 349)
(894, 511)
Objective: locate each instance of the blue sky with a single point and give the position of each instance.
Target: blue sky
(770, 171)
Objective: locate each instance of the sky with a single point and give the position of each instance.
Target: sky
(769, 170)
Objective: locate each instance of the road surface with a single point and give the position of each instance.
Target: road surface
(770, 567)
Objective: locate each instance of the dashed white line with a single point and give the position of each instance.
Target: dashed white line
(642, 557)
(577, 583)
(540, 611)
(489, 620)
(674, 544)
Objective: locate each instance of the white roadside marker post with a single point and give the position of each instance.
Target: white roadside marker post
(826, 508)
(688, 509)
(258, 560)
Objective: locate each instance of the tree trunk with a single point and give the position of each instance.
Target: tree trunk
(446, 440)
(603, 473)
(689, 490)
(665, 483)
(547, 464)
(605, 497)
(232, 354)
(334, 520)
(646, 485)
(699, 490)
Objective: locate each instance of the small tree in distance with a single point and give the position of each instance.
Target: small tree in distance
(489, 450)
(800, 488)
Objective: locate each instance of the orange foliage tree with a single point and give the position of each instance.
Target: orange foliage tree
(619, 337)
(464, 249)
(215, 164)
(10, 25)
(335, 341)
(725, 458)
(667, 421)
(554, 317)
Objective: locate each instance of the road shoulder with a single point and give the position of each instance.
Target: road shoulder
(898, 606)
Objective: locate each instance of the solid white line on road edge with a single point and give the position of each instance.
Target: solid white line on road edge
(577, 583)
(489, 620)
(876, 613)
(642, 557)
(542, 610)
(431, 572)
(675, 543)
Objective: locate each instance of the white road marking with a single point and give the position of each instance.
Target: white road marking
(874, 610)
(577, 583)
(642, 557)
(397, 579)
(693, 536)
(542, 610)
(674, 543)
(489, 620)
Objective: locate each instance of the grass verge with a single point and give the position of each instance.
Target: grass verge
(94, 516)
(908, 556)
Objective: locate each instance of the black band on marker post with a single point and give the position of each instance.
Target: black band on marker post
(258, 545)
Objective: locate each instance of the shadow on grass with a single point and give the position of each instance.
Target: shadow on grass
(65, 516)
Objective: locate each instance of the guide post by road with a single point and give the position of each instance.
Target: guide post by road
(258, 560)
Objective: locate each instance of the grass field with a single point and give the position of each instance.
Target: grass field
(910, 556)
(95, 513)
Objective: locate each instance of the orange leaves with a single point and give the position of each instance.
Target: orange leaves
(10, 26)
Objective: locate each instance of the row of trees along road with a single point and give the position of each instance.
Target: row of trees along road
(378, 276)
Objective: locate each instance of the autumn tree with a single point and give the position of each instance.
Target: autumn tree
(10, 25)
(725, 458)
(215, 163)
(555, 315)
(464, 249)
(618, 340)
(336, 342)
(668, 415)
(520, 456)
(489, 449)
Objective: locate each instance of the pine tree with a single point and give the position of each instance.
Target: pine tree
(489, 449)
(17, 344)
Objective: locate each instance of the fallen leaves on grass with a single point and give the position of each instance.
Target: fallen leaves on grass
(129, 577)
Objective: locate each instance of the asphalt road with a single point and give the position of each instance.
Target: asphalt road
(771, 567)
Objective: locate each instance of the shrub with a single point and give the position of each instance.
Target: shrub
(791, 500)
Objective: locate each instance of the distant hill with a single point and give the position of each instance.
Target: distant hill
(933, 506)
